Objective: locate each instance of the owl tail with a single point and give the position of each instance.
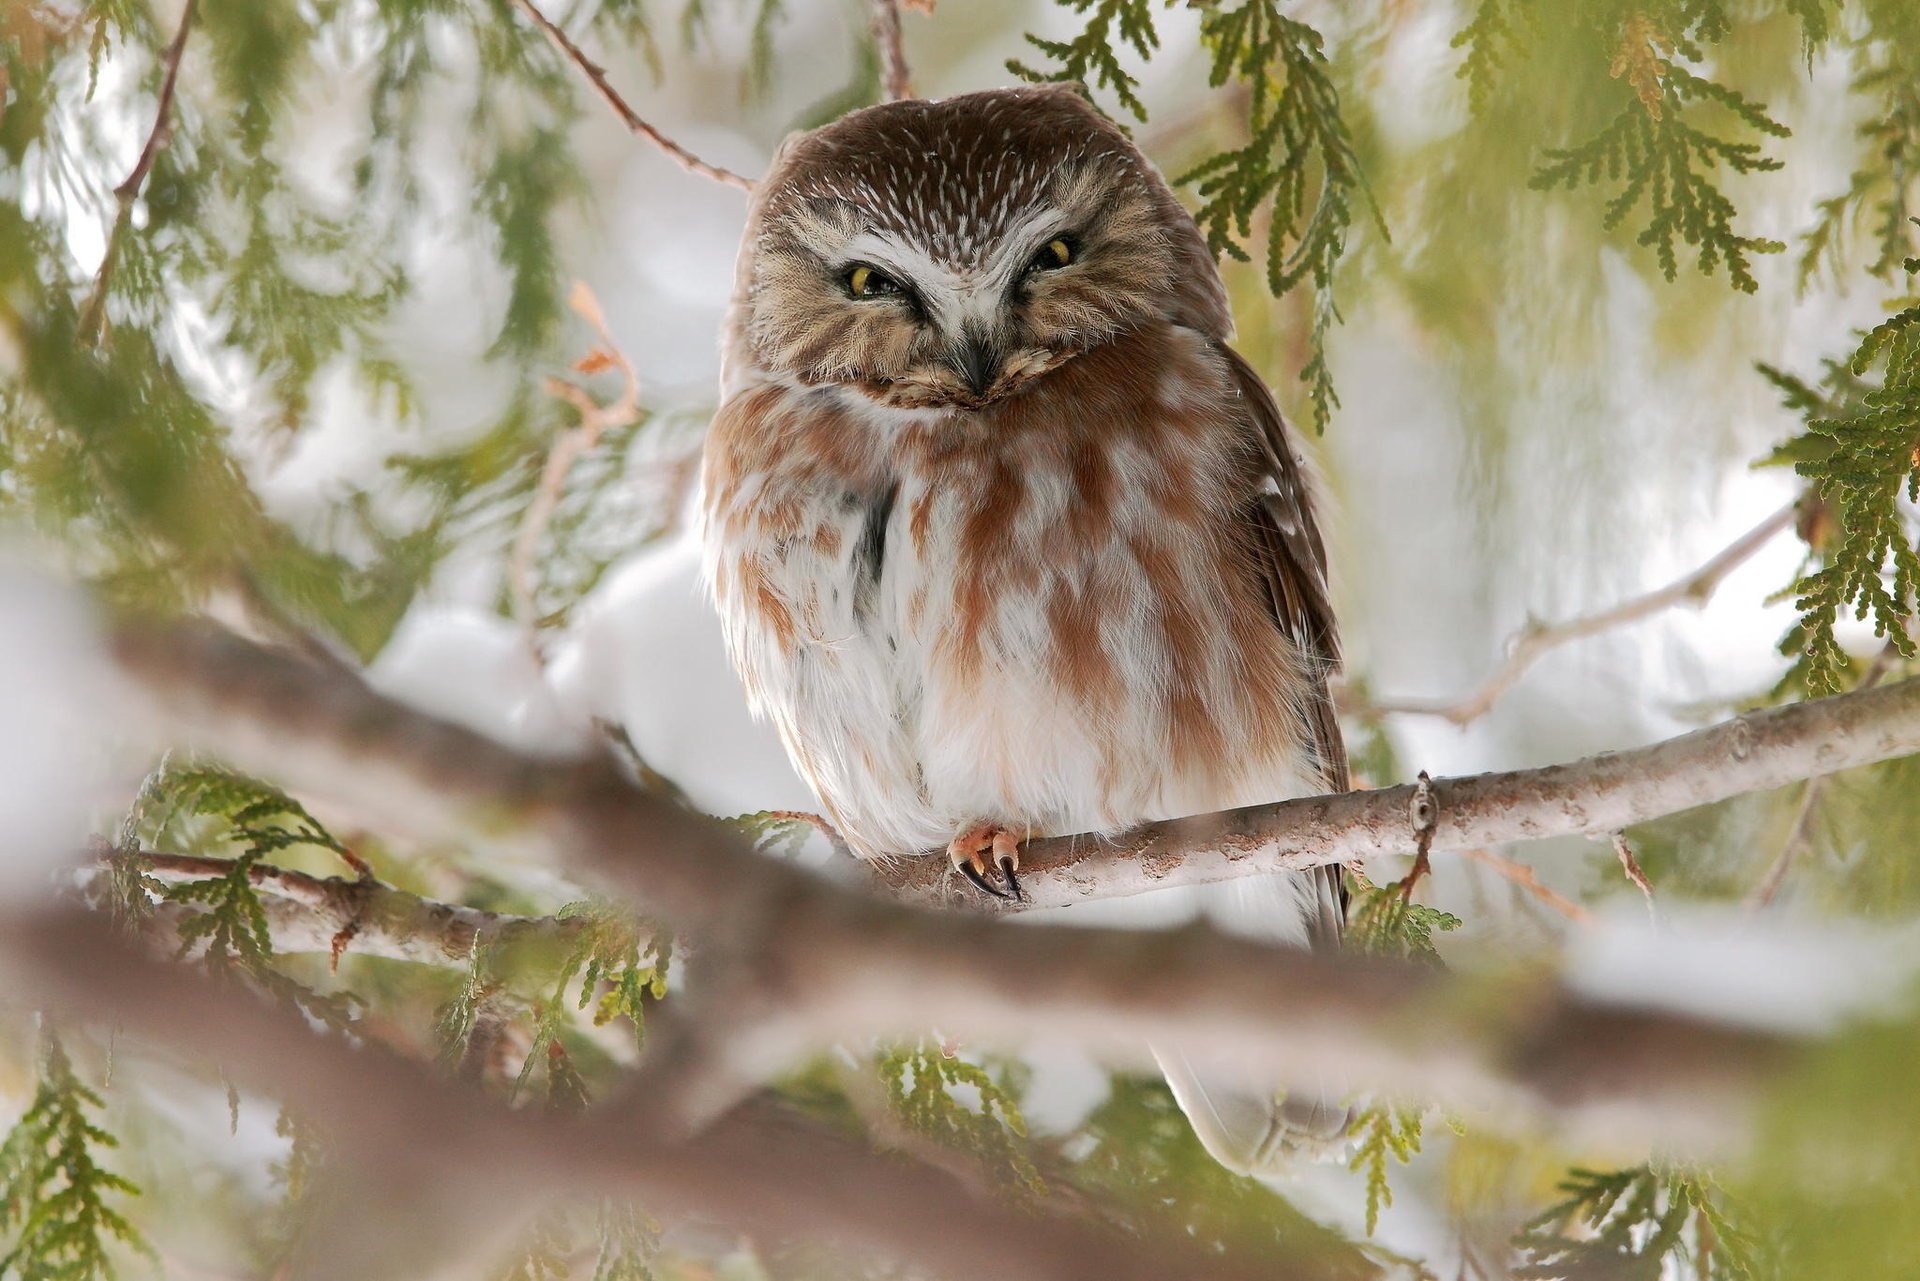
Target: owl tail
(1247, 1121)
(1248, 1125)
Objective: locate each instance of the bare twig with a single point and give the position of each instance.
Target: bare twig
(93, 316)
(310, 913)
(1776, 873)
(597, 76)
(1631, 866)
(1522, 875)
(1535, 640)
(895, 76)
(595, 419)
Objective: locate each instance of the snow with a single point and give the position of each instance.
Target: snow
(56, 711)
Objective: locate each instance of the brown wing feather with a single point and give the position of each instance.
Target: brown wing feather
(1293, 563)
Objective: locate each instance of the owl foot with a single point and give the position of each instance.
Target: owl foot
(965, 851)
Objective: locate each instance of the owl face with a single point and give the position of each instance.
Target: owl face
(947, 254)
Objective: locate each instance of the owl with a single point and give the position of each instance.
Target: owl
(1005, 538)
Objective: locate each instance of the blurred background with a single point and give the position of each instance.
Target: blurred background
(308, 379)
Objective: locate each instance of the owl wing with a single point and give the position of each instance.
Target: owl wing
(1293, 565)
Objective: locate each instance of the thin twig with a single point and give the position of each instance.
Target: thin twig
(597, 76)
(895, 75)
(1532, 642)
(1631, 866)
(567, 448)
(1776, 873)
(312, 913)
(1522, 875)
(94, 314)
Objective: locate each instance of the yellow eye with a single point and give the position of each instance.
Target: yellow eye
(1056, 253)
(869, 282)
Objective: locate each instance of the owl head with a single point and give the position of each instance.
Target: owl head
(948, 253)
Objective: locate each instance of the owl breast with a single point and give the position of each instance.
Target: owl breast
(1042, 614)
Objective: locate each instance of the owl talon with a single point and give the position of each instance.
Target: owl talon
(966, 849)
(973, 874)
(1013, 882)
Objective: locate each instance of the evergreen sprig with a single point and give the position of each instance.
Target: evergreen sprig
(1297, 170)
(1634, 1223)
(1666, 163)
(1662, 150)
(1298, 166)
(55, 1197)
(1383, 1133)
(921, 1079)
(213, 807)
(1861, 451)
(1383, 921)
(1092, 57)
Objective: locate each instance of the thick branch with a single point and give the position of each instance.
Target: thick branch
(597, 77)
(807, 962)
(1530, 644)
(764, 1168)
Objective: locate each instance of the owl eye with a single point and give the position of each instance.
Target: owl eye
(870, 282)
(1053, 255)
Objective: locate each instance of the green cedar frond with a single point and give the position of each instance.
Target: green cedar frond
(1092, 57)
(921, 1079)
(1635, 1222)
(56, 1220)
(1666, 163)
(1380, 1132)
(1298, 166)
(1861, 451)
(1382, 922)
(1884, 189)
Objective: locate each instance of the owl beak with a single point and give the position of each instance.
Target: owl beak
(977, 359)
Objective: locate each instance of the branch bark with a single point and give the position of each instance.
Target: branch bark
(895, 76)
(597, 77)
(311, 914)
(810, 962)
(1598, 795)
(1537, 639)
(764, 1169)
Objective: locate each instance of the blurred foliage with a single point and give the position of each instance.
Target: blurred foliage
(1651, 145)
(56, 1200)
(1638, 1222)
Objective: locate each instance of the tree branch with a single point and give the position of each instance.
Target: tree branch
(93, 315)
(1528, 645)
(312, 913)
(1598, 795)
(595, 419)
(597, 76)
(765, 1169)
(810, 962)
(895, 75)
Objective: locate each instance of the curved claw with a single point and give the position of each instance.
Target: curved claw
(1013, 882)
(972, 873)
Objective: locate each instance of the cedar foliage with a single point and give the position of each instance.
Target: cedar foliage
(258, 284)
